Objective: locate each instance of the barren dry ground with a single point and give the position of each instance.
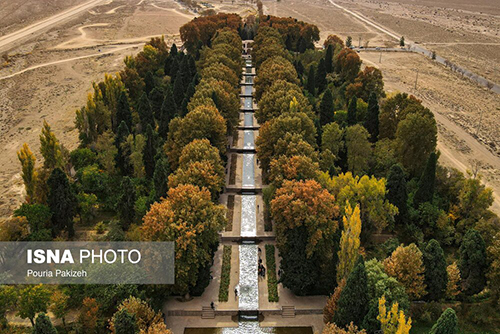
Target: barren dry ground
(105, 35)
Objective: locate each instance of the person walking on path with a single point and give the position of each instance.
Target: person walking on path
(236, 293)
(212, 305)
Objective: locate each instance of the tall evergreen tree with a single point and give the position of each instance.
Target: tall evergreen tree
(123, 113)
(326, 108)
(150, 150)
(352, 111)
(353, 301)
(473, 263)
(321, 76)
(397, 192)
(62, 202)
(174, 69)
(145, 112)
(43, 325)
(149, 82)
(311, 83)
(425, 191)
(329, 59)
(300, 69)
(178, 89)
(168, 111)
(187, 97)
(126, 203)
(156, 98)
(436, 277)
(446, 324)
(160, 177)
(121, 158)
(173, 50)
(372, 121)
(125, 322)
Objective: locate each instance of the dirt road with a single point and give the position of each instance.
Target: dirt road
(7, 40)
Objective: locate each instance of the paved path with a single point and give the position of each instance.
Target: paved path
(7, 40)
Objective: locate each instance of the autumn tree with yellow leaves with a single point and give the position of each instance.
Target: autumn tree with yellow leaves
(349, 242)
(29, 173)
(394, 320)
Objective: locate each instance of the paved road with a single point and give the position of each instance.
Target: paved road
(419, 49)
(7, 40)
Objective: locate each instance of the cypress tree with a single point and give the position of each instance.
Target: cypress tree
(121, 159)
(397, 192)
(329, 59)
(145, 112)
(126, 203)
(149, 153)
(436, 277)
(352, 111)
(302, 45)
(353, 301)
(178, 89)
(326, 108)
(372, 122)
(321, 76)
(174, 68)
(191, 67)
(288, 43)
(168, 111)
(156, 98)
(62, 202)
(446, 324)
(43, 325)
(160, 177)
(185, 73)
(300, 68)
(125, 322)
(173, 50)
(425, 191)
(311, 84)
(123, 113)
(149, 82)
(473, 263)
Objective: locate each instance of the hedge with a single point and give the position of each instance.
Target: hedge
(272, 282)
(225, 274)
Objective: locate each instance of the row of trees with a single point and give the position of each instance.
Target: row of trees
(332, 145)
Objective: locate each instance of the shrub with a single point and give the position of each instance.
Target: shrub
(100, 228)
(272, 282)
(225, 278)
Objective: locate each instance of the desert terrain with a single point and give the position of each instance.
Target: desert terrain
(48, 75)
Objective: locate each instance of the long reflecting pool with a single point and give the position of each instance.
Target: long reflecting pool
(248, 139)
(248, 217)
(248, 295)
(248, 119)
(250, 328)
(248, 179)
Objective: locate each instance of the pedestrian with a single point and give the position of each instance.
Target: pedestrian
(235, 293)
(212, 305)
(279, 273)
(260, 250)
(260, 261)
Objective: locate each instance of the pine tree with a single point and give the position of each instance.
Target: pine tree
(123, 113)
(397, 192)
(349, 242)
(50, 148)
(43, 325)
(354, 299)
(121, 156)
(174, 69)
(311, 83)
(321, 76)
(150, 150)
(326, 108)
(160, 177)
(436, 277)
(372, 121)
(168, 111)
(187, 96)
(473, 263)
(156, 98)
(425, 191)
(300, 69)
(125, 322)
(145, 113)
(173, 50)
(126, 203)
(62, 202)
(446, 324)
(352, 111)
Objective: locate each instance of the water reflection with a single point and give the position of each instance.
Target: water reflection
(248, 139)
(248, 119)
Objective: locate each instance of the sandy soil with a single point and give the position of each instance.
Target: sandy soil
(51, 75)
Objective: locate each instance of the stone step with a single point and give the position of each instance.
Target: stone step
(252, 128)
(207, 312)
(288, 311)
